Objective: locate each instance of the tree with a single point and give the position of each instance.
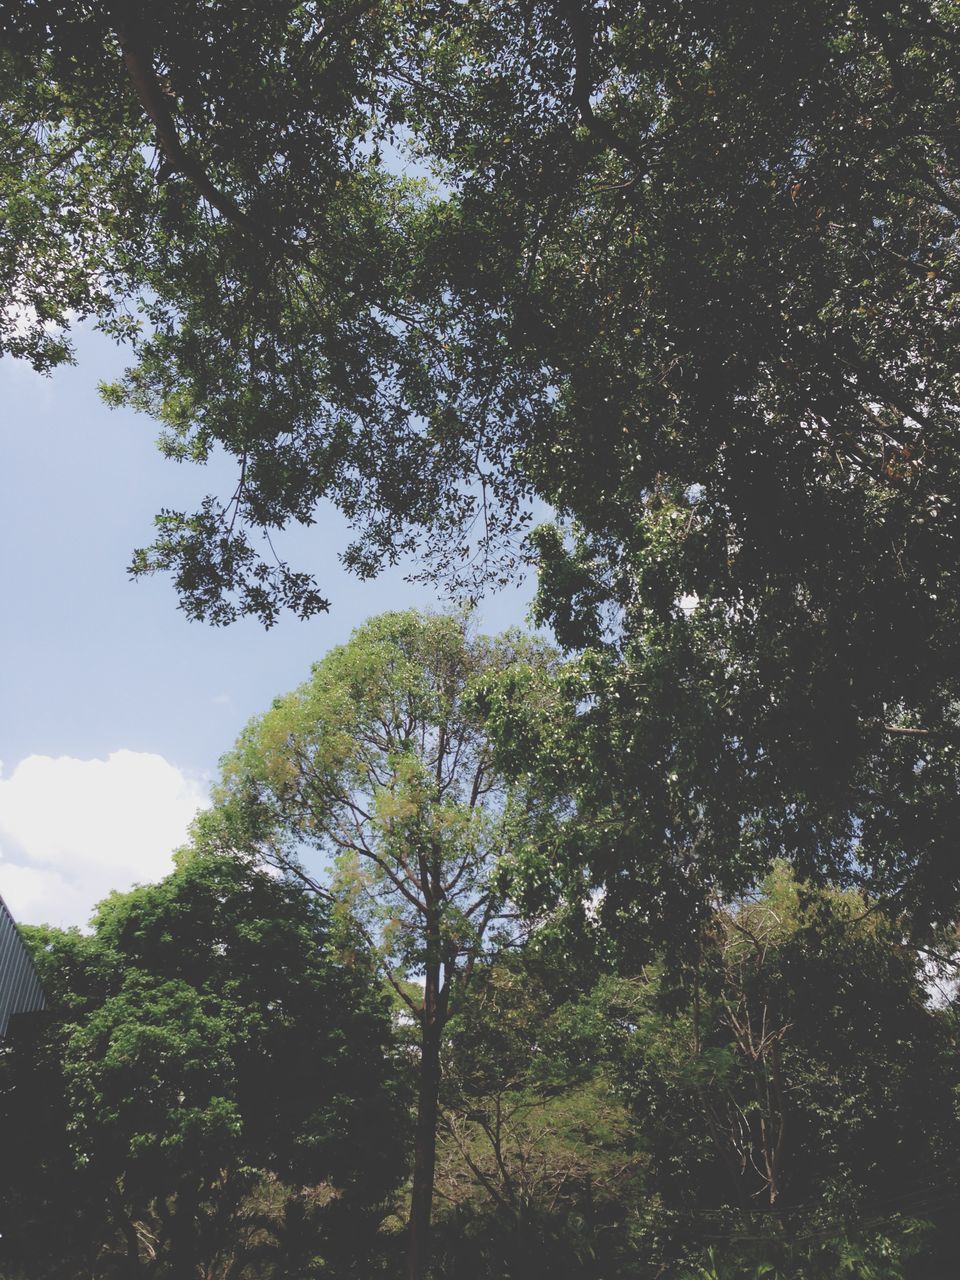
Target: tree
(796, 1085)
(693, 744)
(209, 1058)
(317, 365)
(380, 764)
(647, 262)
(687, 274)
(538, 1170)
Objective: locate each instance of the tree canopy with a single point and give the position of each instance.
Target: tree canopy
(679, 251)
(380, 763)
(213, 1051)
(684, 272)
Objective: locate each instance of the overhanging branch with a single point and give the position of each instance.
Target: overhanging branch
(582, 32)
(138, 59)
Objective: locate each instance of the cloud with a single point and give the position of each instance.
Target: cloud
(22, 318)
(72, 830)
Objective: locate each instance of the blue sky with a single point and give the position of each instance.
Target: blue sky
(114, 708)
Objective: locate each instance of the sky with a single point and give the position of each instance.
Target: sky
(114, 708)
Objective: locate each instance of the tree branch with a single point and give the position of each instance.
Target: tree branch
(601, 129)
(138, 59)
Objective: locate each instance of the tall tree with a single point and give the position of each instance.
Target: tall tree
(686, 272)
(380, 764)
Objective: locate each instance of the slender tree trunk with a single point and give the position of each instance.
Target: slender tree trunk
(425, 1141)
(131, 1266)
(182, 1238)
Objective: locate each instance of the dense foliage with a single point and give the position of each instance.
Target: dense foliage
(381, 764)
(788, 1103)
(786, 1107)
(687, 273)
(213, 1092)
(767, 1085)
(689, 251)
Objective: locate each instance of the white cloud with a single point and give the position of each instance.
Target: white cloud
(72, 830)
(22, 318)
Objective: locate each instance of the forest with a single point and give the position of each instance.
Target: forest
(621, 946)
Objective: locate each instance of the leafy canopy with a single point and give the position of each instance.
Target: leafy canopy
(685, 250)
(686, 272)
(213, 1036)
(375, 783)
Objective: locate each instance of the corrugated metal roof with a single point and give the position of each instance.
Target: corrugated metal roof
(20, 989)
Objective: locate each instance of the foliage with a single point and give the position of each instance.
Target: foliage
(695, 253)
(778, 1101)
(689, 751)
(687, 274)
(380, 763)
(537, 1166)
(860, 1255)
(209, 1064)
(211, 185)
(622, 1126)
(798, 1098)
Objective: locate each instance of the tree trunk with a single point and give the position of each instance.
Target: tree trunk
(131, 1264)
(425, 1141)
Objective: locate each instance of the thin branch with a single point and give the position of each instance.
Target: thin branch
(414, 1008)
(364, 851)
(474, 1168)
